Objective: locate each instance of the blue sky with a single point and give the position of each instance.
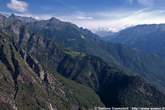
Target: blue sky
(92, 14)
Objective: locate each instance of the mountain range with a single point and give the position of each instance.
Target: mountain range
(121, 56)
(50, 64)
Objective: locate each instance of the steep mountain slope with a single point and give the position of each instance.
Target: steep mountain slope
(72, 37)
(106, 79)
(114, 86)
(25, 84)
(148, 38)
(149, 66)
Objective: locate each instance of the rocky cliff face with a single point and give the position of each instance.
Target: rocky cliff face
(25, 85)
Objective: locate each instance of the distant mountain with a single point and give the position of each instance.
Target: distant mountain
(34, 55)
(148, 38)
(104, 33)
(23, 19)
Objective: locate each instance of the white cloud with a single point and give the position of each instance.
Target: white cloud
(114, 22)
(19, 6)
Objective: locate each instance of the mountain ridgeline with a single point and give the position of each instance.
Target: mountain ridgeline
(50, 64)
